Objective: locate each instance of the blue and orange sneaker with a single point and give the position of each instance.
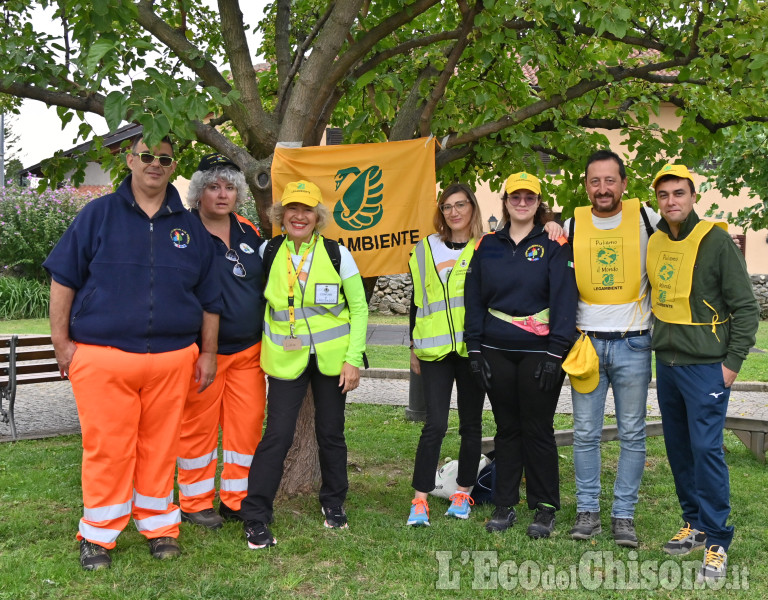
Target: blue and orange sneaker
(419, 516)
(460, 503)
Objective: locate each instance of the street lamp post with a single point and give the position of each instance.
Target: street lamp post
(492, 222)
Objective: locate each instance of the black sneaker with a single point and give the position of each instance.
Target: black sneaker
(543, 522)
(587, 525)
(229, 514)
(502, 519)
(94, 557)
(163, 548)
(335, 517)
(207, 518)
(686, 541)
(258, 535)
(624, 533)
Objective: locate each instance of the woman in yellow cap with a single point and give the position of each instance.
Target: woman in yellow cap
(314, 333)
(521, 309)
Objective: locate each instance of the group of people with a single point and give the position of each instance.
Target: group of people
(499, 315)
(166, 321)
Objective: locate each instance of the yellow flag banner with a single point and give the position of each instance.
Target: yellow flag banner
(381, 196)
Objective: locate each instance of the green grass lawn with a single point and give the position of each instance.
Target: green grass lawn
(755, 368)
(378, 557)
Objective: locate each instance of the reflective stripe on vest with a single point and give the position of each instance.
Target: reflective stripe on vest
(439, 327)
(322, 325)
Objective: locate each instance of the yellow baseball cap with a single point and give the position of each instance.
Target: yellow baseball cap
(304, 192)
(522, 181)
(583, 366)
(680, 171)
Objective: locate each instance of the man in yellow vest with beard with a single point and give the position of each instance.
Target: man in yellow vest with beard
(609, 241)
(706, 320)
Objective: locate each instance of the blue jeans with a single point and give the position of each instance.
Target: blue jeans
(693, 402)
(625, 365)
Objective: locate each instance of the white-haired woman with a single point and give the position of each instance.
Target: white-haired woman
(314, 333)
(235, 400)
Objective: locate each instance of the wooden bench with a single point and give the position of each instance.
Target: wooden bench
(23, 360)
(751, 432)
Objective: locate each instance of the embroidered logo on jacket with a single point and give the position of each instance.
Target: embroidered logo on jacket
(179, 238)
(534, 253)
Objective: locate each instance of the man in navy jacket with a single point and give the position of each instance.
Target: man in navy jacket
(131, 290)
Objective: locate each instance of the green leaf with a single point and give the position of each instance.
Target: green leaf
(96, 52)
(115, 109)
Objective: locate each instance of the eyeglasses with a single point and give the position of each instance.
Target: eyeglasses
(148, 158)
(459, 206)
(238, 269)
(525, 200)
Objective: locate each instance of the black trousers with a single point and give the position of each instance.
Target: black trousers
(525, 435)
(284, 399)
(437, 379)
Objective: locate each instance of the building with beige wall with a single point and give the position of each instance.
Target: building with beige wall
(756, 246)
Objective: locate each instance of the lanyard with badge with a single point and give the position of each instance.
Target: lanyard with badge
(292, 342)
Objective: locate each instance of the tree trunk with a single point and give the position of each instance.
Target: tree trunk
(302, 465)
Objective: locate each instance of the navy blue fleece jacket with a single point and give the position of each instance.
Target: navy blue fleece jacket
(520, 280)
(141, 284)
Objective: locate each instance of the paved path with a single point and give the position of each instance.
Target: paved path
(387, 335)
(46, 409)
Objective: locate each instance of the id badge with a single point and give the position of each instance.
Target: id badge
(326, 293)
(290, 343)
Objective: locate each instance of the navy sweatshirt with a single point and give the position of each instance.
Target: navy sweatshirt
(141, 284)
(520, 280)
(242, 315)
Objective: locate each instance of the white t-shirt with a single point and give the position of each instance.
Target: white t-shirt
(631, 316)
(445, 258)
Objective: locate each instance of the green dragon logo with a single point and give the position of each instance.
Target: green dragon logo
(360, 206)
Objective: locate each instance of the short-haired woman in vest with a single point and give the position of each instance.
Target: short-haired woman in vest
(520, 322)
(314, 334)
(439, 266)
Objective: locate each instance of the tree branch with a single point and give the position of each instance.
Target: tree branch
(286, 78)
(339, 68)
(178, 43)
(86, 102)
(580, 89)
(259, 132)
(283, 42)
(449, 69)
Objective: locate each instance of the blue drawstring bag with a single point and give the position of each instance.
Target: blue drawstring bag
(483, 491)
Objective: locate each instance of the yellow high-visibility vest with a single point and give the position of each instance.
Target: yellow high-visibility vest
(439, 327)
(607, 261)
(670, 265)
(324, 324)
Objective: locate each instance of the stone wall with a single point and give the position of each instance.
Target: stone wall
(760, 285)
(392, 294)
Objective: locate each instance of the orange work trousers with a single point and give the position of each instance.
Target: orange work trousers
(235, 400)
(130, 407)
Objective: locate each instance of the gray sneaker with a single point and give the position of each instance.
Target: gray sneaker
(686, 541)
(587, 525)
(623, 530)
(714, 565)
